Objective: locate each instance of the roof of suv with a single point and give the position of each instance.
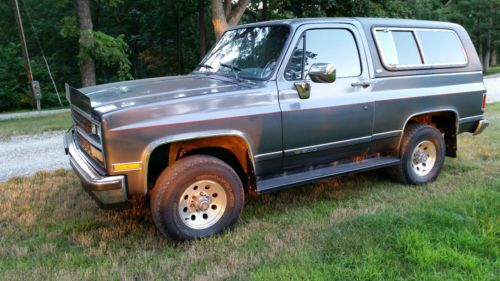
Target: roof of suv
(366, 22)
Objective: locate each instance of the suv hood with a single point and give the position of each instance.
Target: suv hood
(109, 97)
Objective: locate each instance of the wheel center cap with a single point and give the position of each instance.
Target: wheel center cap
(424, 158)
(420, 157)
(203, 203)
(203, 206)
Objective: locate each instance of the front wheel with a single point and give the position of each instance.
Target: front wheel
(196, 197)
(422, 155)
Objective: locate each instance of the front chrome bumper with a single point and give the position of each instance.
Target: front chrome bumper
(108, 191)
(481, 125)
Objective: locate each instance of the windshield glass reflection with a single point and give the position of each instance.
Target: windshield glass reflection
(248, 53)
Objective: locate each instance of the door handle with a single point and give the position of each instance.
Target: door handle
(364, 84)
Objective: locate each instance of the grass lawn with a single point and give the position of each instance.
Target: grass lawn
(357, 227)
(492, 70)
(34, 125)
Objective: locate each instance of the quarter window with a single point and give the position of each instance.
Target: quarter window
(335, 46)
(402, 48)
(450, 50)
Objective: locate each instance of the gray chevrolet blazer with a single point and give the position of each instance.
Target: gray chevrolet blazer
(275, 105)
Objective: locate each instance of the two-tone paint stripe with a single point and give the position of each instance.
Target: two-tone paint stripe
(280, 112)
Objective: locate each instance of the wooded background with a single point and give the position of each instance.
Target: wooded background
(99, 41)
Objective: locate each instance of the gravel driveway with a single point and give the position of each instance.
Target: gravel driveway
(25, 155)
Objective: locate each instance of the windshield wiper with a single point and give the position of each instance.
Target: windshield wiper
(233, 68)
(207, 66)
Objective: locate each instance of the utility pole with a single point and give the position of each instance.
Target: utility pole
(24, 49)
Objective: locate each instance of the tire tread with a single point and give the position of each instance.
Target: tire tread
(166, 183)
(398, 172)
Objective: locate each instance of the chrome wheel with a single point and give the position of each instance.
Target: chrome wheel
(202, 204)
(423, 158)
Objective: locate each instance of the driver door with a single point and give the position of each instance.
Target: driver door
(335, 122)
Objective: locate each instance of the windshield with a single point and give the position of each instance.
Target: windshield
(247, 53)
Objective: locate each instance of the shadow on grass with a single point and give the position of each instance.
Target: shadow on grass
(56, 202)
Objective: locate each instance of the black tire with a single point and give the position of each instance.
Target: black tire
(175, 181)
(415, 134)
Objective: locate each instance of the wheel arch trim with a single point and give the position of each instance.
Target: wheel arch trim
(447, 109)
(147, 152)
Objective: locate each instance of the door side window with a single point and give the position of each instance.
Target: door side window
(335, 46)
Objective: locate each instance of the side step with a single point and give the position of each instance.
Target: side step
(287, 180)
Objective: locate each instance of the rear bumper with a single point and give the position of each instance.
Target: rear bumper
(108, 191)
(481, 125)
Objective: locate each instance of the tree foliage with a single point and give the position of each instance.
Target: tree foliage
(148, 38)
(111, 51)
(12, 78)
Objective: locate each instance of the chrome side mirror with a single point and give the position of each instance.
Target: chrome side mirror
(319, 73)
(322, 73)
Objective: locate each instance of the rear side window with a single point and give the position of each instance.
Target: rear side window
(441, 47)
(401, 48)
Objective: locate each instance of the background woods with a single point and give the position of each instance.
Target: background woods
(98, 41)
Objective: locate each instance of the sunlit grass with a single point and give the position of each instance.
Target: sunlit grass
(357, 227)
(34, 125)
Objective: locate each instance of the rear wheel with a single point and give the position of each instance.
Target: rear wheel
(196, 197)
(422, 155)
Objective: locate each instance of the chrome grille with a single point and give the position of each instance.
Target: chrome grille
(89, 149)
(83, 143)
(89, 142)
(82, 122)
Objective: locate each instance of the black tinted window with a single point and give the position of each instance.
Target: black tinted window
(441, 47)
(398, 48)
(335, 46)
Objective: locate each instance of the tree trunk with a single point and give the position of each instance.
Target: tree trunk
(201, 24)
(218, 18)
(87, 66)
(227, 8)
(487, 52)
(237, 12)
(224, 16)
(494, 56)
(178, 46)
(265, 15)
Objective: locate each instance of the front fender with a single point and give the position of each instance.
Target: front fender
(146, 154)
